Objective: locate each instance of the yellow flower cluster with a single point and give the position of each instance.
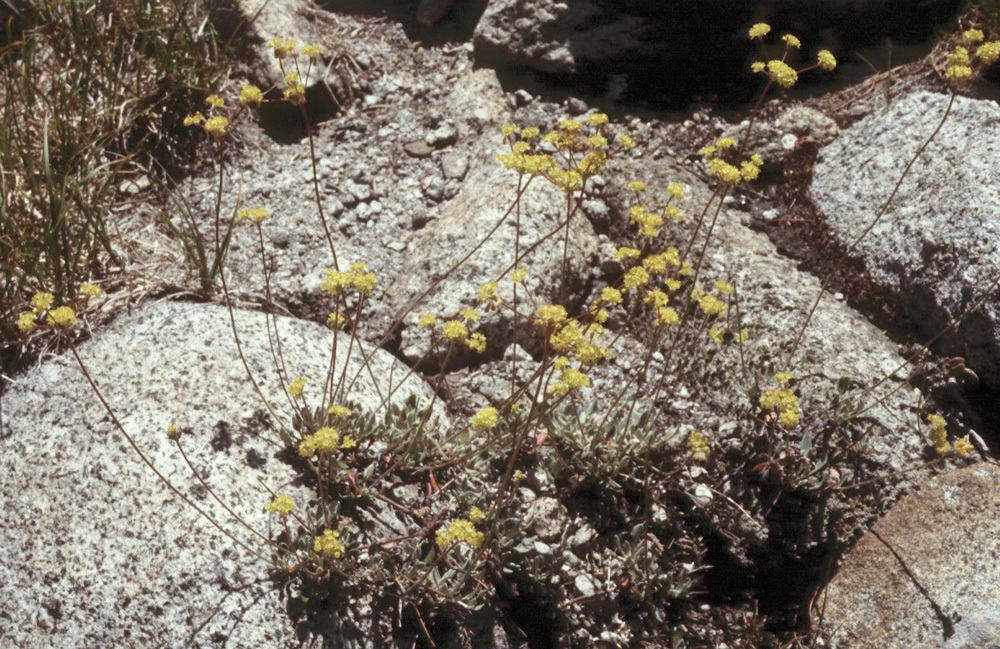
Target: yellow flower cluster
(324, 440)
(256, 214)
(962, 447)
(477, 342)
(329, 543)
(939, 434)
(295, 90)
(488, 291)
(173, 433)
(647, 221)
(657, 264)
(783, 401)
(959, 67)
(959, 62)
(295, 388)
(709, 303)
(570, 141)
(281, 505)
(611, 295)
(216, 125)
(455, 331)
(727, 172)
(485, 419)
(312, 51)
(636, 277)
(339, 411)
(627, 253)
(90, 290)
(250, 95)
(282, 47)
(462, 531)
(359, 277)
(989, 52)
(427, 321)
(667, 316)
(551, 315)
(62, 317)
(698, 445)
(571, 379)
(760, 30)
(571, 339)
(826, 60)
(779, 71)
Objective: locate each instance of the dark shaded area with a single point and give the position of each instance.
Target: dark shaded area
(284, 123)
(532, 616)
(223, 438)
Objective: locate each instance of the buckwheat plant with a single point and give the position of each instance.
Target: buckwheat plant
(444, 522)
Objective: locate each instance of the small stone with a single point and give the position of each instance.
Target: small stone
(454, 164)
(595, 210)
(281, 240)
(397, 246)
(702, 495)
(334, 207)
(135, 185)
(585, 585)
(583, 535)
(433, 188)
(444, 135)
(547, 518)
(418, 149)
(451, 189)
(542, 548)
(576, 106)
(769, 215)
(356, 191)
(522, 97)
(788, 141)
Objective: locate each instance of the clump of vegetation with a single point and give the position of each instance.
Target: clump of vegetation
(577, 504)
(90, 94)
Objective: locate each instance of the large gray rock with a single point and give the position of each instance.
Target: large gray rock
(926, 571)
(96, 551)
(937, 247)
